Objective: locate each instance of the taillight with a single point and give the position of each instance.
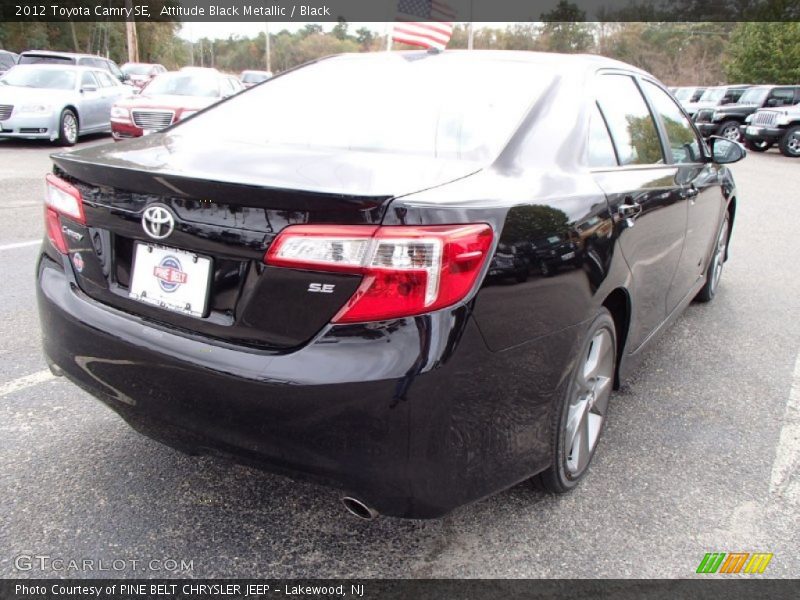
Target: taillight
(61, 199)
(406, 270)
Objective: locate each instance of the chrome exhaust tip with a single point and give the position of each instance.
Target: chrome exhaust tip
(356, 507)
(55, 369)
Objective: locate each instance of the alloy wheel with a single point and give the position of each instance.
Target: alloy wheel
(793, 144)
(719, 256)
(731, 133)
(70, 128)
(589, 402)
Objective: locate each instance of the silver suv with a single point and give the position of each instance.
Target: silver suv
(769, 126)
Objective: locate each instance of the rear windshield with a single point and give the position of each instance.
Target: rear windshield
(36, 59)
(429, 106)
(50, 79)
(254, 77)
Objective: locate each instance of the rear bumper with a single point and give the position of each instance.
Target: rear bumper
(414, 417)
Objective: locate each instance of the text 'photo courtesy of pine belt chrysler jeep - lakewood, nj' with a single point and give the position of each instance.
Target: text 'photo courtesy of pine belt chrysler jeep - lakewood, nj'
(417, 299)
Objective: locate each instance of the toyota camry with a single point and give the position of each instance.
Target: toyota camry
(299, 277)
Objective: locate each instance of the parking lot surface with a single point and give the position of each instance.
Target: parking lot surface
(700, 454)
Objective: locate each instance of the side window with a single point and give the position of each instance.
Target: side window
(697, 93)
(629, 121)
(601, 150)
(105, 79)
(88, 79)
(112, 68)
(781, 97)
(732, 96)
(683, 142)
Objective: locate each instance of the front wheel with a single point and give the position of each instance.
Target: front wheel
(580, 417)
(67, 128)
(758, 145)
(790, 142)
(714, 272)
(730, 130)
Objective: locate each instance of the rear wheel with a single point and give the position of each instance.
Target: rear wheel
(758, 145)
(730, 130)
(67, 128)
(714, 272)
(790, 142)
(580, 417)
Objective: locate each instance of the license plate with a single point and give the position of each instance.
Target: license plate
(568, 256)
(148, 131)
(171, 279)
(752, 130)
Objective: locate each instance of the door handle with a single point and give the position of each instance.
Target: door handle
(629, 211)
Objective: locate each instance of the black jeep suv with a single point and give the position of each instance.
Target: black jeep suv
(726, 120)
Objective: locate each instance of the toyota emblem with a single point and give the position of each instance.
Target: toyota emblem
(158, 222)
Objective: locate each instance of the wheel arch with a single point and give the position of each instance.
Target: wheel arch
(75, 112)
(618, 303)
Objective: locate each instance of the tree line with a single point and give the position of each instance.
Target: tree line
(704, 53)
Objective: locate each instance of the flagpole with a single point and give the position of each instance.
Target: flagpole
(470, 29)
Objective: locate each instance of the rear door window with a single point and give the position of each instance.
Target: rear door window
(632, 127)
(601, 149)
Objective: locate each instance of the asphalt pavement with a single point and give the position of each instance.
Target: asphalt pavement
(701, 451)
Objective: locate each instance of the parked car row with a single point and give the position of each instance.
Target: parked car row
(760, 116)
(60, 96)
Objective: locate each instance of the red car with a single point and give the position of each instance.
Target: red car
(168, 98)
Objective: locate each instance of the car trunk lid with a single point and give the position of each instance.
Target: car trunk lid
(228, 202)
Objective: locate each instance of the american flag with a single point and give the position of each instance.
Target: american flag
(435, 32)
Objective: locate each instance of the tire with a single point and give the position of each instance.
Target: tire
(758, 145)
(789, 144)
(714, 271)
(67, 128)
(581, 415)
(544, 269)
(730, 130)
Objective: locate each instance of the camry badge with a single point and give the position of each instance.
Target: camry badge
(158, 222)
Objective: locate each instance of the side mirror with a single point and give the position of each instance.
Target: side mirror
(88, 88)
(125, 77)
(725, 151)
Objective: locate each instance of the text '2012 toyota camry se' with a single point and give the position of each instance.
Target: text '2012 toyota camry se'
(415, 277)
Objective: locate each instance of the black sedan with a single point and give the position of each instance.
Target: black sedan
(301, 280)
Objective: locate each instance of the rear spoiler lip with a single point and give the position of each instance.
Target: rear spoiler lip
(162, 183)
